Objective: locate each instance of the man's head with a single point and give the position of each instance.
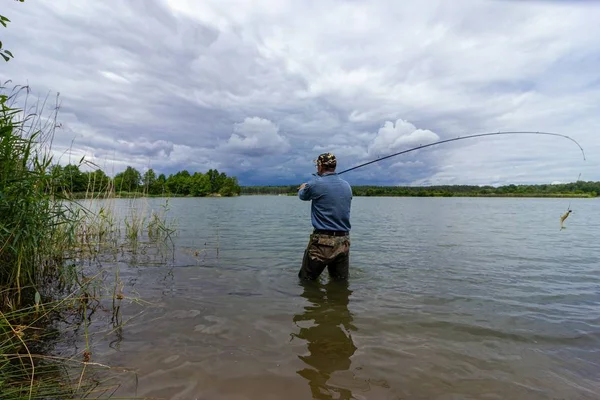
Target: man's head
(326, 162)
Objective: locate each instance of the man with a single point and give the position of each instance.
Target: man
(329, 244)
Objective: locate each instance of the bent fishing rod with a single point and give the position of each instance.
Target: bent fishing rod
(462, 138)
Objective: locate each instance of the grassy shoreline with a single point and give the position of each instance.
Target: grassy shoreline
(52, 250)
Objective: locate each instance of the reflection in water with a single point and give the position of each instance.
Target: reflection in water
(329, 339)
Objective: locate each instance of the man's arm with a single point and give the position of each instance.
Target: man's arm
(304, 192)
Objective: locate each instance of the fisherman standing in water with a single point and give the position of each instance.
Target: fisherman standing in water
(329, 244)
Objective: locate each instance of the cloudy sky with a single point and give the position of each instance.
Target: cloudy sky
(257, 89)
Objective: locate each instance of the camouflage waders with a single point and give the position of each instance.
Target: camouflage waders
(324, 250)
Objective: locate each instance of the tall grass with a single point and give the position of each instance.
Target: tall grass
(36, 230)
(46, 237)
(35, 226)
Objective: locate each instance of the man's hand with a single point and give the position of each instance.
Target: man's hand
(302, 186)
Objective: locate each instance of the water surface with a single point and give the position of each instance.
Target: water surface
(448, 298)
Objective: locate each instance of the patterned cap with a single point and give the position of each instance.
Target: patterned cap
(326, 160)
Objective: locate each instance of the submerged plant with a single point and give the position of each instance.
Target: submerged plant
(158, 228)
(27, 336)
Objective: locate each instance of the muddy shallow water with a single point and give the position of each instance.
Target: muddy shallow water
(448, 298)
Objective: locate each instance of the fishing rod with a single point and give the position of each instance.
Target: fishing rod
(462, 138)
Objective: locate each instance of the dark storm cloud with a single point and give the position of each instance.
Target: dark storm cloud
(259, 89)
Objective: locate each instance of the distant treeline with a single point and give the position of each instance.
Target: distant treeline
(131, 182)
(284, 190)
(575, 189)
(72, 180)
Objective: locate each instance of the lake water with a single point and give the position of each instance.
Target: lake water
(448, 298)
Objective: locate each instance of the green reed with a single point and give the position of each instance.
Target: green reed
(35, 228)
(46, 236)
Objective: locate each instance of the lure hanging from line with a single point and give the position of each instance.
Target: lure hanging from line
(462, 138)
(569, 211)
(565, 216)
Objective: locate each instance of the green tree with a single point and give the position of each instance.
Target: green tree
(159, 186)
(179, 183)
(213, 176)
(98, 181)
(200, 184)
(74, 180)
(230, 187)
(128, 180)
(149, 180)
(220, 180)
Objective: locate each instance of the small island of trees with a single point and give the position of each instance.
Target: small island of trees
(131, 182)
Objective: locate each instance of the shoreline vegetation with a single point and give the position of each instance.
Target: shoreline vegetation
(215, 184)
(59, 261)
(129, 183)
(579, 189)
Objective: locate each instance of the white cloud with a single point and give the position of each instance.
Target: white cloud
(401, 135)
(256, 137)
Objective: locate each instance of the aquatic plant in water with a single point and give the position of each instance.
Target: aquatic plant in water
(46, 239)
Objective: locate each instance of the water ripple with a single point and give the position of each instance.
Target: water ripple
(448, 299)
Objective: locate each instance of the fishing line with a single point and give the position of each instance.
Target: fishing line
(462, 138)
(562, 218)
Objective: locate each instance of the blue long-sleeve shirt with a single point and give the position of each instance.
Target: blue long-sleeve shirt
(331, 200)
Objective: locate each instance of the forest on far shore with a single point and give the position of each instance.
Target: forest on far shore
(129, 182)
(574, 189)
